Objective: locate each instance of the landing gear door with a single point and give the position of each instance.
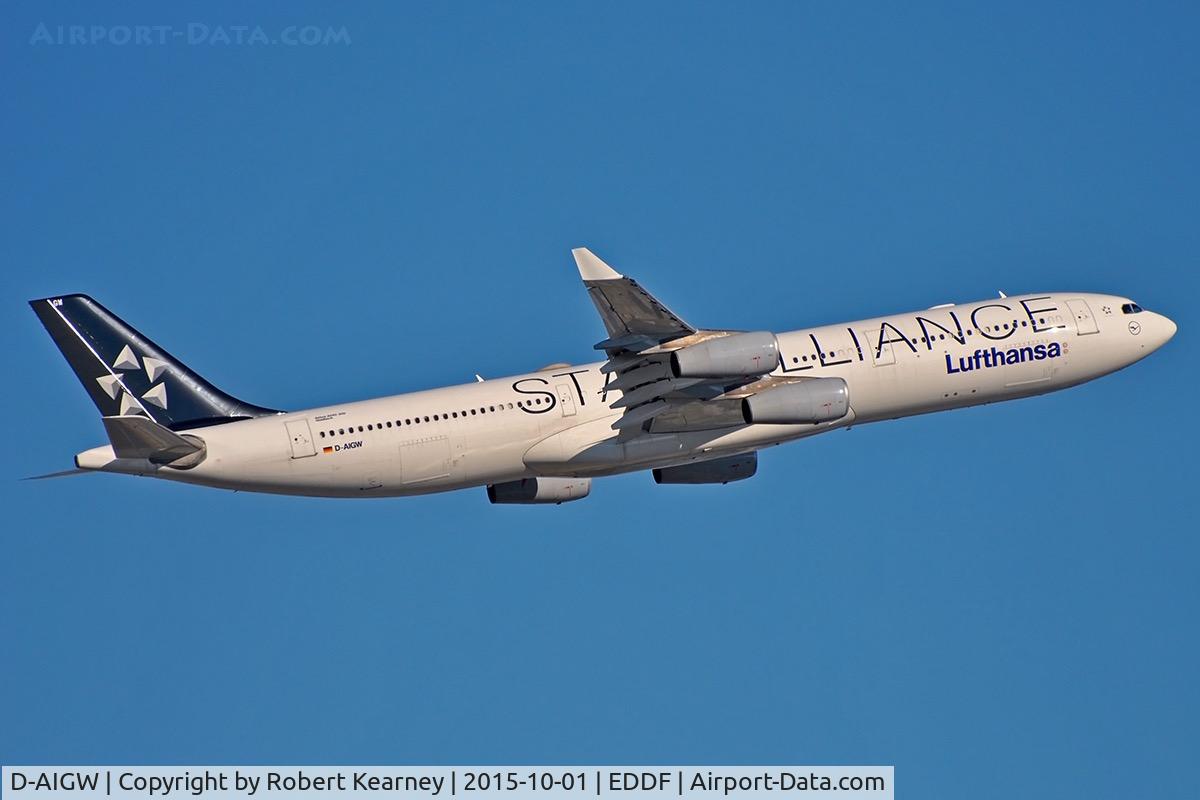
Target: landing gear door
(301, 437)
(566, 400)
(880, 355)
(1085, 323)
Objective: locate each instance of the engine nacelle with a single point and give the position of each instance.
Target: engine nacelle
(805, 403)
(539, 491)
(717, 470)
(740, 355)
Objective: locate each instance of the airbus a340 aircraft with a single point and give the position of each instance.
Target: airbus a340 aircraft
(692, 404)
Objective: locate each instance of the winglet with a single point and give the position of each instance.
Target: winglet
(592, 268)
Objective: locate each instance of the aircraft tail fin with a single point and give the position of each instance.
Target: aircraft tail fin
(126, 374)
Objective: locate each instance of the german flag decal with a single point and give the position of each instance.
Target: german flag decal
(326, 449)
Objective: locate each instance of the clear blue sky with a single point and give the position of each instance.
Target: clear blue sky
(1001, 601)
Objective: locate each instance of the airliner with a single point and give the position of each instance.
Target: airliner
(691, 405)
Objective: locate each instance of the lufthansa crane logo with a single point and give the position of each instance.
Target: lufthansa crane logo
(1135, 327)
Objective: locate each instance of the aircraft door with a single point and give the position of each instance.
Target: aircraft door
(1085, 323)
(566, 400)
(881, 356)
(301, 437)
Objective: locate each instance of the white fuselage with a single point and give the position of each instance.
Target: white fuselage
(557, 422)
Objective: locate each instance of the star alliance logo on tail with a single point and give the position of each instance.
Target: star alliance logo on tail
(114, 386)
(986, 359)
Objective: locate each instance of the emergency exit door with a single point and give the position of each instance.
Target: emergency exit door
(566, 400)
(301, 436)
(880, 355)
(1084, 321)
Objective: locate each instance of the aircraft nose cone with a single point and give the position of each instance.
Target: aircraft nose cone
(1163, 329)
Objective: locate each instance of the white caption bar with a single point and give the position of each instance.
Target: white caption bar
(423, 783)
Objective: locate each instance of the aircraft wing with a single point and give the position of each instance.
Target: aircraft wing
(634, 318)
(642, 333)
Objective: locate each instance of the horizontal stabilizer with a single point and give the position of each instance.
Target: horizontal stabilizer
(66, 473)
(139, 437)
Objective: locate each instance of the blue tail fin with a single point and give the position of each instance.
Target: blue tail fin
(126, 373)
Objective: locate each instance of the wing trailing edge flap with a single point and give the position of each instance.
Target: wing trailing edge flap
(652, 391)
(642, 332)
(633, 418)
(639, 375)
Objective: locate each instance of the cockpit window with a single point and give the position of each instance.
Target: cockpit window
(1131, 308)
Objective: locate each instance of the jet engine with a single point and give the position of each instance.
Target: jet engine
(805, 403)
(740, 355)
(717, 470)
(539, 491)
